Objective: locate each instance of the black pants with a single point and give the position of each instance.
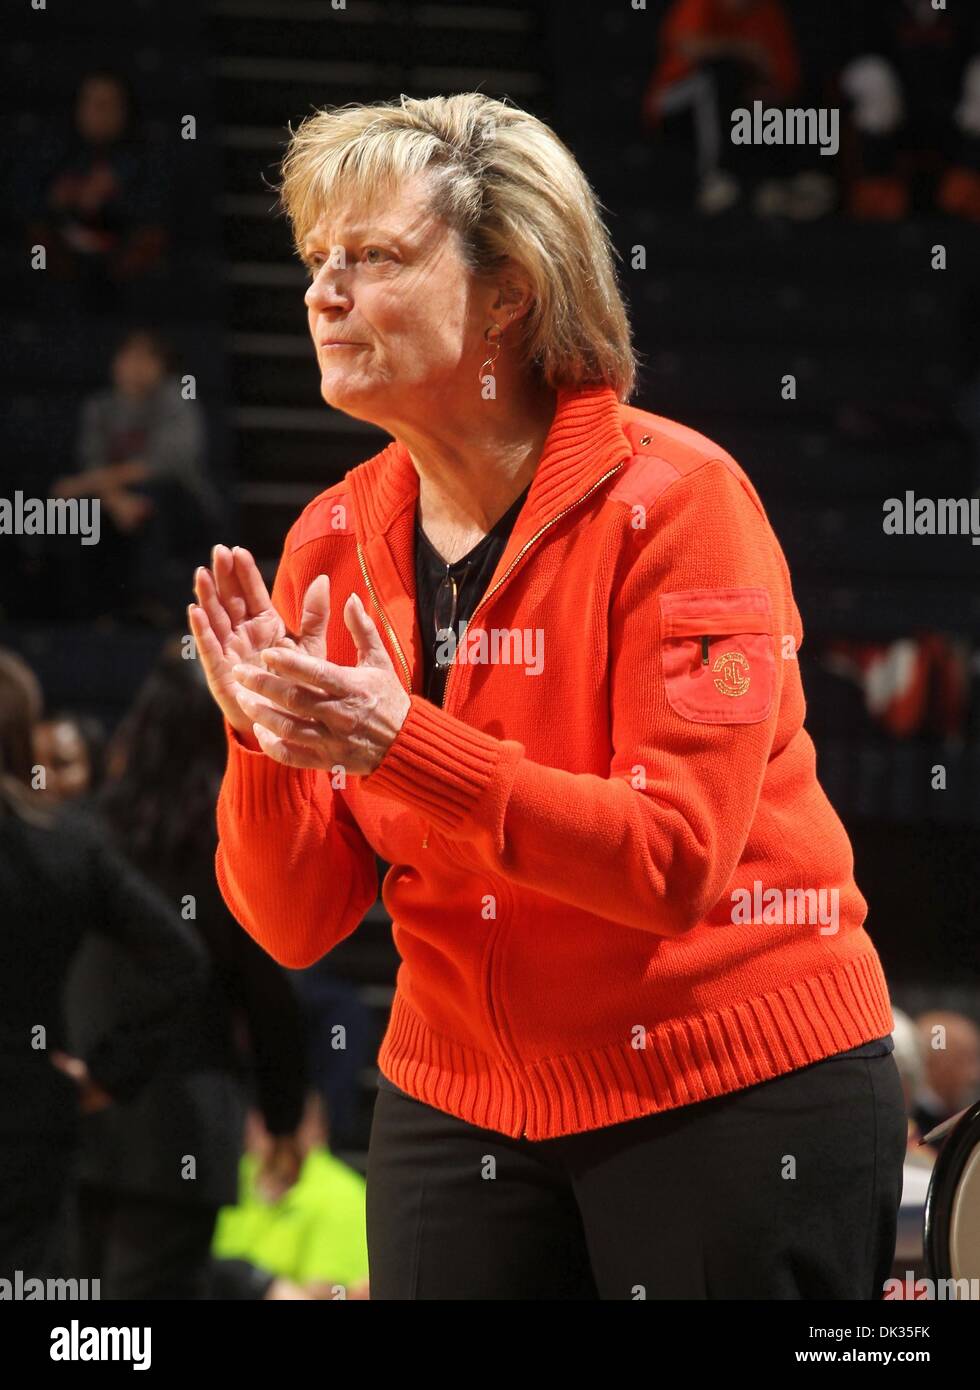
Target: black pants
(785, 1190)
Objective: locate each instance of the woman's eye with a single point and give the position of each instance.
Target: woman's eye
(314, 262)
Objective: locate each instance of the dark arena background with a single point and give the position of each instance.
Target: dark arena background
(811, 305)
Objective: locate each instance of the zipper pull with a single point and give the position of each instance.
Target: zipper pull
(704, 651)
(425, 842)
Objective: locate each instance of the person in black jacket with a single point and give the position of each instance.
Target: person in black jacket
(58, 881)
(154, 1174)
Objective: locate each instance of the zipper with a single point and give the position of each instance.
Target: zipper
(523, 550)
(496, 1020)
(384, 618)
(391, 636)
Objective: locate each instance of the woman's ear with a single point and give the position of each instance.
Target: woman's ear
(515, 294)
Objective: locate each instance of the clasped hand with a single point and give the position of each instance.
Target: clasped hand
(277, 689)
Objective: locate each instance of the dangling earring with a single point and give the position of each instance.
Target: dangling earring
(490, 363)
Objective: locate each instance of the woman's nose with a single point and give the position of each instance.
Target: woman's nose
(325, 291)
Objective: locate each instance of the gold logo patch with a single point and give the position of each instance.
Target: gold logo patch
(733, 677)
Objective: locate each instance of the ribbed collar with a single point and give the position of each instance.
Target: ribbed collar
(586, 438)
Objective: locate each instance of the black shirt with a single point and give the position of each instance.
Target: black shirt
(472, 574)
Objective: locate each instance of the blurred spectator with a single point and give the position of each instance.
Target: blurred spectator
(58, 882)
(910, 1060)
(145, 1223)
(142, 450)
(951, 1049)
(958, 1074)
(919, 1161)
(912, 687)
(314, 1235)
(913, 85)
(714, 56)
(101, 214)
(70, 748)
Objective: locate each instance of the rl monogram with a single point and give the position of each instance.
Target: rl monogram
(734, 674)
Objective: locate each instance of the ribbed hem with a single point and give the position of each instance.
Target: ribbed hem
(255, 785)
(440, 766)
(683, 1062)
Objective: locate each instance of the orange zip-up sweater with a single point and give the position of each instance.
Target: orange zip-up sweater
(616, 884)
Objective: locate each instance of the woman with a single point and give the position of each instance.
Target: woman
(575, 792)
(58, 882)
(145, 1229)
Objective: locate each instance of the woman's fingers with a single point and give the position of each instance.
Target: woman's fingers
(209, 649)
(250, 581)
(211, 655)
(286, 753)
(304, 733)
(207, 597)
(316, 616)
(214, 663)
(289, 696)
(325, 676)
(228, 585)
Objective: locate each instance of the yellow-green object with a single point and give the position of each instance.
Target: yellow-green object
(315, 1231)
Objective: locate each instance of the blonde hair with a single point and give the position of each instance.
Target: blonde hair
(509, 187)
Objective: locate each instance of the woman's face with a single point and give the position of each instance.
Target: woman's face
(61, 750)
(396, 318)
(136, 369)
(100, 115)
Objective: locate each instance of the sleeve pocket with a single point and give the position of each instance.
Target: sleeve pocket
(718, 654)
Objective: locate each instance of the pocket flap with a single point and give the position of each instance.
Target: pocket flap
(715, 612)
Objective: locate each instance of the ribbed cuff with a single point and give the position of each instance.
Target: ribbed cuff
(440, 766)
(256, 785)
